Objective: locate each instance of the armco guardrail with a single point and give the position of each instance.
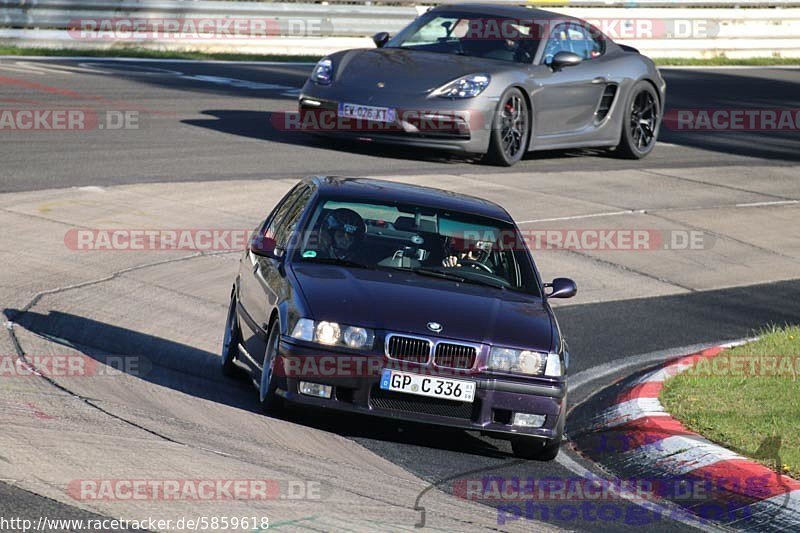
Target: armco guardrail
(334, 20)
(314, 28)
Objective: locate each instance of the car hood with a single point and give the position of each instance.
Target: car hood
(405, 71)
(404, 302)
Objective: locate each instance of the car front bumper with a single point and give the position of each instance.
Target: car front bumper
(356, 388)
(455, 125)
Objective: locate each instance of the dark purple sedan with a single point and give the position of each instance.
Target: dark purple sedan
(403, 302)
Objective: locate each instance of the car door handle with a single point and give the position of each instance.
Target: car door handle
(599, 79)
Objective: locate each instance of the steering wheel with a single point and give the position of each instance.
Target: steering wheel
(476, 264)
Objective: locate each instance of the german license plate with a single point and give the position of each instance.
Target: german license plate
(432, 386)
(365, 112)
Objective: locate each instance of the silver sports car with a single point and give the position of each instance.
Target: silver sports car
(493, 80)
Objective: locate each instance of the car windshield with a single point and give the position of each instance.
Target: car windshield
(431, 242)
(471, 34)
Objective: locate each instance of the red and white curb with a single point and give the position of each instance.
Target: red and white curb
(655, 439)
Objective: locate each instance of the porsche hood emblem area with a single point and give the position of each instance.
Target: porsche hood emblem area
(435, 327)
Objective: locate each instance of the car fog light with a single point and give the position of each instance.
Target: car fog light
(315, 389)
(528, 420)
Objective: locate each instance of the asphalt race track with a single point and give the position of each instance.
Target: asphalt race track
(204, 153)
(190, 128)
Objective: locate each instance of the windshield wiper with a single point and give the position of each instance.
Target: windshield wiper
(438, 274)
(435, 273)
(337, 261)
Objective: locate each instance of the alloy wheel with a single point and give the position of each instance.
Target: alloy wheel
(644, 118)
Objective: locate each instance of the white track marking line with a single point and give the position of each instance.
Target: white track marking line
(598, 372)
(763, 204)
(165, 60)
(233, 82)
(592, 215)
(648, 211)
(27, 68)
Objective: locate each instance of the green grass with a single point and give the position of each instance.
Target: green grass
(757, 413)
(160, 54)
(150, 54)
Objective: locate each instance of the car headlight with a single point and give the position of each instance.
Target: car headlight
(465, 87)
(333, 334)
(323, 72)
(525, 362)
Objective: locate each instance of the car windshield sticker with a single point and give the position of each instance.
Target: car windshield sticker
(309, 253)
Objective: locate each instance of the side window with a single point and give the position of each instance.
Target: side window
(286, 226)
(267, 227)
(577, 40)
(586, 43)
(573, 38)
(557, 42)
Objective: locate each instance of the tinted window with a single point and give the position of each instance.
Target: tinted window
(589, 44)
(471, 34)
(284, 227)
(280, 209)
(573, 38)
(407, 237)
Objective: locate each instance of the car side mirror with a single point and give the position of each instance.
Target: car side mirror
(561, 288)
(565, 59)
(380, 39)
(265, 247)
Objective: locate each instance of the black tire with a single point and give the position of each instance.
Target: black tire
(510, 130)
(641, 122)
(231, 340)
(536, 449)
(271, 403)
(526, 447)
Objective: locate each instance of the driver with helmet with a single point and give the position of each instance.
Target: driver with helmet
(341, 230)
(478, 253)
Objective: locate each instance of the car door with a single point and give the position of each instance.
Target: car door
(565, 100)
(259, 280)
(270, 273)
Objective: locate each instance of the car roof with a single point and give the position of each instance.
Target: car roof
(381, 190)
(504, 10)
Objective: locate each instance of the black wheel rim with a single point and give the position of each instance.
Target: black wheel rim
(644, 117)
(513, 125)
